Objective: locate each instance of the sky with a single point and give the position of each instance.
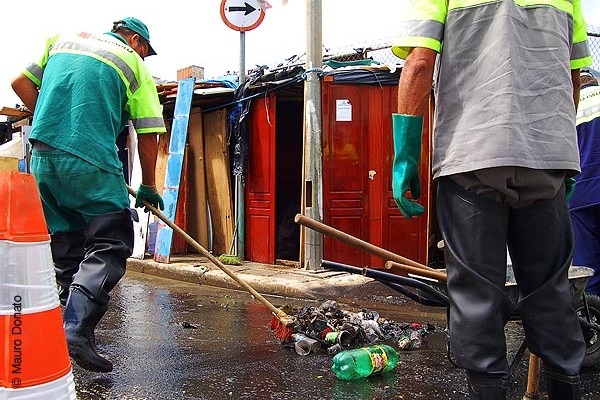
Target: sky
(191, 32)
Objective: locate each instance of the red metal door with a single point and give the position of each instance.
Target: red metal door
(407, 237)
(260, 185)
(345, 172)
(357, 186)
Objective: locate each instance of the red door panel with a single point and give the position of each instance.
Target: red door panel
(407, 237)
(357, 187)
(260, 185)
(345, 180)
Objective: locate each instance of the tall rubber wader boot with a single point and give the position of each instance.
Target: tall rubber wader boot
(482, 388)
(81, 316)
(475, 228)
(560, 386)
(108, 244)
(67, 254)
(541, 246)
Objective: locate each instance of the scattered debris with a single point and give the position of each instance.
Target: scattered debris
(332, 329)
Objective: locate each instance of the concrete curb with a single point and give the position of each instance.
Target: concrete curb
(264, 278)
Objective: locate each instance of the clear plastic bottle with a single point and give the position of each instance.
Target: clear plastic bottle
(305, 345)
(416, 339)
(354, 364)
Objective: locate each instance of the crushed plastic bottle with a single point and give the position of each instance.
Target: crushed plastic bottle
(303, 345)
(371, 330)
(354, 364)
(415, 340)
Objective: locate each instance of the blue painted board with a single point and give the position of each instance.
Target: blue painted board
(181, 117)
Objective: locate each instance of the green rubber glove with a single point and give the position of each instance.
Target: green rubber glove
(405, 170)
(569, 187)
(149, 194)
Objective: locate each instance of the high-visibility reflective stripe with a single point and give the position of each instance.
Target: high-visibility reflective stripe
(564, 5)
(102, 55)
(146, 123)
(589, 105)
(428, 28)
(36, 71)
(580, 50)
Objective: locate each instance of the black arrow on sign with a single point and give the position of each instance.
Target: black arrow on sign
(247, 8)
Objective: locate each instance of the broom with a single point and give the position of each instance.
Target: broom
(231, 258)
(281, 324)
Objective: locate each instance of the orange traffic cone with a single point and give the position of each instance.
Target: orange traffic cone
(34, 359)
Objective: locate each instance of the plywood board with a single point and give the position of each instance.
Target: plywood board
(218, 179)
(164, 234)
(197, 213)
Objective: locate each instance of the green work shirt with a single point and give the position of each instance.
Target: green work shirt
(504, 94)
(90, 87)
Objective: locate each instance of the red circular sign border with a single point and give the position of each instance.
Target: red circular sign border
(240, 28)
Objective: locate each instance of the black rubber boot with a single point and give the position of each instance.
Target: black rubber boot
(108, 244)
(67, 253)
(81, 315)
(486, 393)
(486, 386)
(562, 387)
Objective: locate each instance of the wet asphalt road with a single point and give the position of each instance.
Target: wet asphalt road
(174, 340)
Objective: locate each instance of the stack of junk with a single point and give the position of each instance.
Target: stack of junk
(329, 328)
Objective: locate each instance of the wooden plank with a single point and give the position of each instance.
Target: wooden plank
(161, 160)
(9, 164)
(14, 112)
(197, 215)
(218, 180)
(164, 234)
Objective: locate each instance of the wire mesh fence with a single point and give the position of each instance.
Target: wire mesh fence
(380, 51)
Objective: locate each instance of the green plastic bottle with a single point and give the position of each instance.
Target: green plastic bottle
(354, 364)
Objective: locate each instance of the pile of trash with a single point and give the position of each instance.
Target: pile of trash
(330, 328)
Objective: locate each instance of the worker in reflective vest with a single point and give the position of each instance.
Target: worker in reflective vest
(585, 203)
(504, 144)
(83, 91)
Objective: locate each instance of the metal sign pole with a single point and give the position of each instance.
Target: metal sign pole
(239, 184)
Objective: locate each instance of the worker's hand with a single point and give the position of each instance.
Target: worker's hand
(569, 187)
(149, 194)
(405, 170)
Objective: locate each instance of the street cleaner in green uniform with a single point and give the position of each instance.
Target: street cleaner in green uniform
(83, 91)
(504, 152)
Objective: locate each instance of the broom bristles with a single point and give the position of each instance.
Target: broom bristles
(282, 325)
(279, 329)
(230, 259)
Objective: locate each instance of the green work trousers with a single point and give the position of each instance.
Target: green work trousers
(73, 191)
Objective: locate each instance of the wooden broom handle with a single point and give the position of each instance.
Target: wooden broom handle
(356, 242)
(409, 269)
(208, 255)
(533, 378)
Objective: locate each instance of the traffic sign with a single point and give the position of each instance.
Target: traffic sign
(242, 15)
